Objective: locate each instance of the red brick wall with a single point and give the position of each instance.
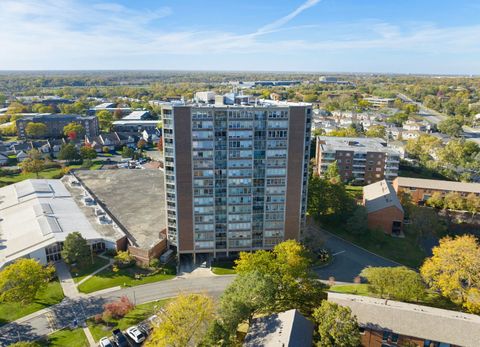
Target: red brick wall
(383, 218)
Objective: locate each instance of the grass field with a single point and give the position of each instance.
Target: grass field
(432, 299)
(66, 337)
(223, 268)
(79, 274)
(52, 295)
(138, 314)
(123, 277)
(402, 250)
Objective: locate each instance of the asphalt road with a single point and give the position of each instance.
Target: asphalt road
(348, 260)
(63, 314)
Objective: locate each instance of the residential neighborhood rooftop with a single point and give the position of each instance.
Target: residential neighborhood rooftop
(380, 195)
(439, 185)
(457, 328)
(356, 144)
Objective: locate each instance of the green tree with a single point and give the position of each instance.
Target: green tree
(289, 267)
(310, 98)
(422, 147)
(87, 152)
(336, 326)
(69, 152)
(249, 294)
(76, 250)
(454, 201)
(436, 200)
(73, 130)
(332, 173)
(376, 131)
(424, 221)
(358, 222)
(105, 120)
(127, 152)
(398, 283)
(34, 163)
(345, 132)
(183, 322)
(454, 270)
(472, 203)
(35, 130)
(451, 126)
(23, 280)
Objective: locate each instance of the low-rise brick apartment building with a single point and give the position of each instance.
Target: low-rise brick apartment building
(384, 210)
(421, 189)
(387, 323)
(56, 122)
(362, 160)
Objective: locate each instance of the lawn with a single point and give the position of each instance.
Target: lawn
(79, 274)
(123, 277)
(138, 314)
(432, 299)
(355, 192)
(223, 268)
(402, 250)
(66, 337)
(13, 311)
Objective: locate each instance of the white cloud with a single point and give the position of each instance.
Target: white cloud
(67, 34)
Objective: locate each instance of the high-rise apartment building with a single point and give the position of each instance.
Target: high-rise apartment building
(236, 176)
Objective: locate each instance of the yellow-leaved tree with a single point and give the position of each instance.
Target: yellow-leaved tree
(454, 270)
(183, 322)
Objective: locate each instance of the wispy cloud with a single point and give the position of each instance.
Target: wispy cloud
(70, 34)
(284, 20)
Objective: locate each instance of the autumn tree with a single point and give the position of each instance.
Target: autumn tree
(454, 270)
(436, 200)
(289, 268)
(183, 322)
(336, 326)
(376, 131)
(117, 114)
(453, 201)
(87, 152)
(249, 294)
(472, 203)
(34, 163)
(35, 130)
(76, 249)
(105, 120)
(73, 130)
(160, 145)
(23, 280)
(141, 144)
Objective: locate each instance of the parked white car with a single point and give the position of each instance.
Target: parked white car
(105, 342)
(135, 334)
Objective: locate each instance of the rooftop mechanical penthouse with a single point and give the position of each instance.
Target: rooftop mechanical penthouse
(235, 176)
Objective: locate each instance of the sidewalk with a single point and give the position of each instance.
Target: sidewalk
(66, 281)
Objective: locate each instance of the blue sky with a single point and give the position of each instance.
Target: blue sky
(408, 36)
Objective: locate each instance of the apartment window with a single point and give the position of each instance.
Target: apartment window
(378, 169)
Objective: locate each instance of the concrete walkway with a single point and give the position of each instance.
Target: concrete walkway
(66, 281)
(89, 336)
(110, 262)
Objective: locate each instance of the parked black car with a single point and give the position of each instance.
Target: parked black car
(119, 338)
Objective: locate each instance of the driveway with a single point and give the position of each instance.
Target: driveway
(348, 260)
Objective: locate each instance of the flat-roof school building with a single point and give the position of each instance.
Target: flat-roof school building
(37, 215)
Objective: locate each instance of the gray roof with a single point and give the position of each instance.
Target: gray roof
(380, 195)
(424, 322)
(439, 185)
(285, 329)
(355, 144)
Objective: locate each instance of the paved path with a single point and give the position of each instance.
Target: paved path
(89, 336)
(62, 315)
(348, 259)
(66, 281)
(110, 262)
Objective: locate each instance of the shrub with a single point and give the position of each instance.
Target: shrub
(155, 262)
(124, 259)
(117, 309)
